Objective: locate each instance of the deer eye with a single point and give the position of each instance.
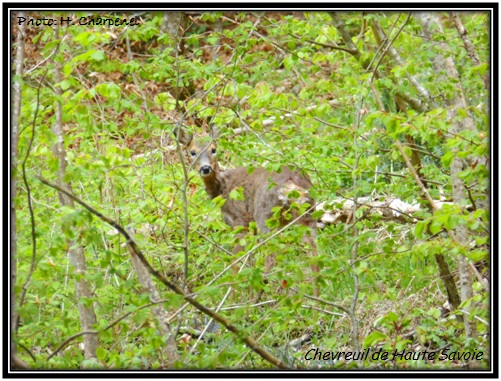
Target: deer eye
(213, 151)
(193, 153)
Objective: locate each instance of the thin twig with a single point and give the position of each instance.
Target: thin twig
(469, 47)
(30, 204)
(46, 58)
(380, 47)
(113, 323)
(134, 77)
(330, 46)
(237, 306)
(415, 103)
(323, 301)
(221, 304)
(394, 54)
(354, 249)
(248, 128)
(28, 351)
(415, 175)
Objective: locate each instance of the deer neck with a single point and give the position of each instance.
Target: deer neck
(214, 182)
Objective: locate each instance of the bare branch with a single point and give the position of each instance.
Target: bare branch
(323, 301)
(415, 103)
(470, 48)
(330, 46)
(415, 175)
(30, 205)
(396, 56)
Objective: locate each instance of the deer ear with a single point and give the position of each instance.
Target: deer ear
(214, 132)
(183, 136)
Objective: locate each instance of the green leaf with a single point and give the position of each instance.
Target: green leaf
(293, 194)
(375, 338)
(212, 40)
(97, 55)
(435, 227)
(67, 69)
(317, 214)
(477, 255)
(237, 194)
(447, 158)
(392, 316)
(452, 221)
(272, 223)
(86, 38)
(435, 312)
(65, 85)
(101, 353)
(218, 201)
(420, 228)
(109, 90)
(91, 363)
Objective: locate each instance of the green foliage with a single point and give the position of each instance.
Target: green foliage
(319, 111)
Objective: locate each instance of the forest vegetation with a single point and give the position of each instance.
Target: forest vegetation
(120, 259)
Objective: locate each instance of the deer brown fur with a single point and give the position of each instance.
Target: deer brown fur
(262, 190)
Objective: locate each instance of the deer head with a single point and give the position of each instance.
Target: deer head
(202, 151)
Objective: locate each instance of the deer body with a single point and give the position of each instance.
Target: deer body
(259, 193)
(263, 190)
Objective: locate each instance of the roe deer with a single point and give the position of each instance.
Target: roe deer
(262, 191)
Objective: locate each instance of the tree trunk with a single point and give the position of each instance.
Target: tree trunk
(417, 105)
(174, 24)
(447, 65)
(16, 362)
(75, 250)
(160, 314)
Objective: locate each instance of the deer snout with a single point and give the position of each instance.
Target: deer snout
(205, 170)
